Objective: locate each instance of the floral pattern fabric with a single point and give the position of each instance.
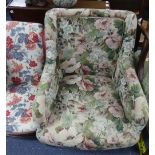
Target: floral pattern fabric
(89, 96)
(19, 114)
(24, 50)
(89, 45)
(65, 3)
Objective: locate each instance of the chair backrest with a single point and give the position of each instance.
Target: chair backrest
(24, 52)
(88, 41)
(85, 42)
(89, 45)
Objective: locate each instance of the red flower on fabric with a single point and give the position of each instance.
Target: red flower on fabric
(30, 46)
(82, 108)
(27, 116)
(16, 80)
(33, 37)
(32, 64)
(28, 113)
(14, 101)
(17, 67)
(32, 97)
(13, 90)
(88, 144)
(87, 85)
(9, 42)
(7, 113)
(11, 25)
(25, 120)
(8, 56)
(86, 70)
(36, 79)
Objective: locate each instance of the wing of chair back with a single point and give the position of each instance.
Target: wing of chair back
(132, 96)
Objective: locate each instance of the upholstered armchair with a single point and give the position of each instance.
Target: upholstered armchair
(89, 95)
(24, 51)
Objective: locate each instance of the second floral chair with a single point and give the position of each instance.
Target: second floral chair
(24, 68)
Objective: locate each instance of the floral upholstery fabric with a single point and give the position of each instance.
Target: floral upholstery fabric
(24, 67)
(82, 96)
(89, 45)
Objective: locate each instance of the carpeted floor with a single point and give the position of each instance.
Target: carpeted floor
(31, 146)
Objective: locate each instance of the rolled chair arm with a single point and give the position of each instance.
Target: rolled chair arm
(128, 85)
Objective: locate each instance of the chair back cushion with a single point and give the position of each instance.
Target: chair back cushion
(24, 52)
(79, 42)
(89, 45)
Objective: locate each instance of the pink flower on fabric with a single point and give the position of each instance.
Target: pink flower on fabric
(28, 112)
(80, 48)
(80, 43)
(27, 117)
(88, 144)
(33, 37)
(131, 75)
(87, 85)
(116, 111)
(113, 41)
(14, 101)
(36, 79)
(7, 113)
(85, 69)
(11, 25)
(25, 120)
(102, 24)
(102, 95)
(40, 58)
(16, 67)
(12, 90)
(9, 43)
(82, 108)
(104, 64)
(30, 46)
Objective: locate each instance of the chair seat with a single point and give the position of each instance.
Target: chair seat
(19, 100)
(88, 114)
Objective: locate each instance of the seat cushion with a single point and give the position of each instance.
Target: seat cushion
(87, 114)
(24, 47)
(19, 100)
